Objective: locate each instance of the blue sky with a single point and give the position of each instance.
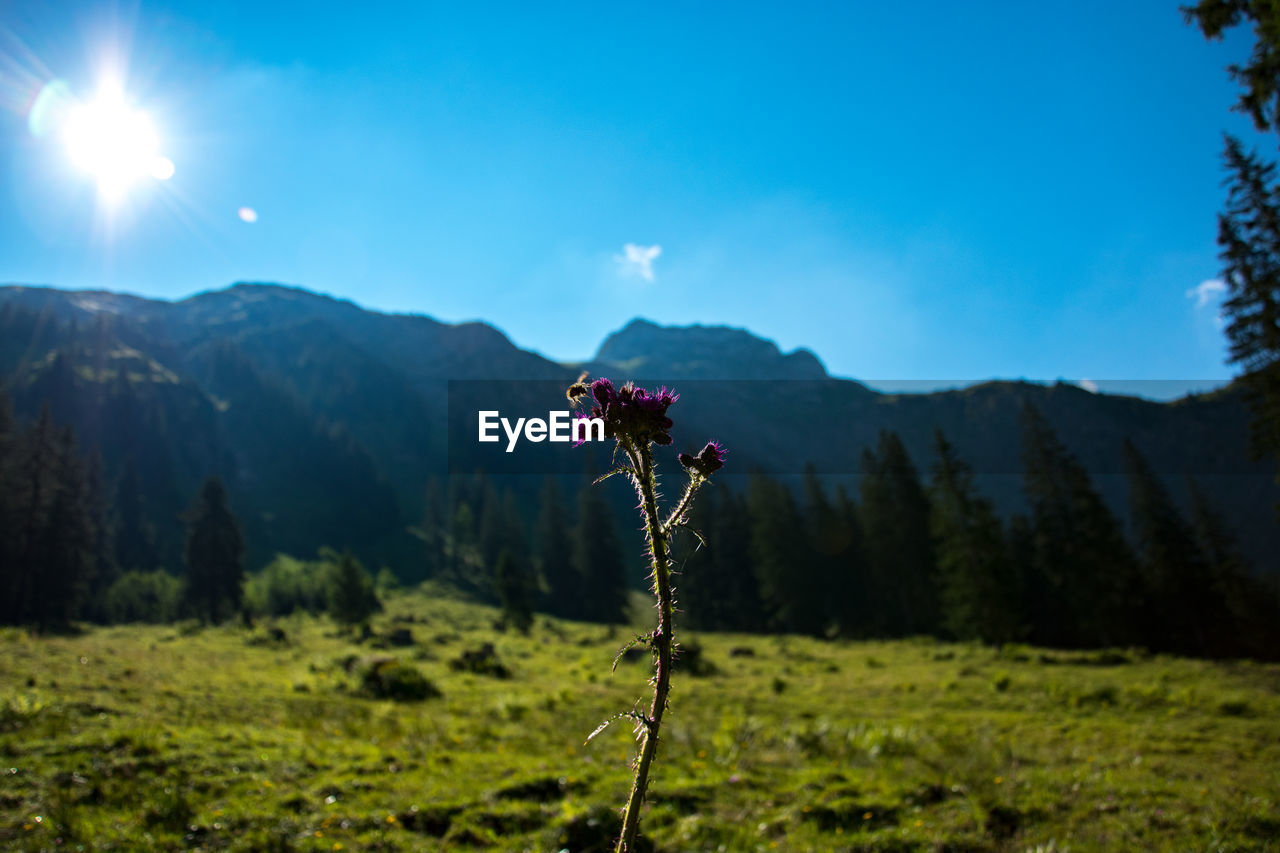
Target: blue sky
(930, 191)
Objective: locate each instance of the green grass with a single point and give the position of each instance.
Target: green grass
(173, 737)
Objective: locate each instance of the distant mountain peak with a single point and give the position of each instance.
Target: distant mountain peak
(646, 349)
(262, 291)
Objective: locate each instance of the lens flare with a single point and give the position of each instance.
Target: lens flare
(49, 109)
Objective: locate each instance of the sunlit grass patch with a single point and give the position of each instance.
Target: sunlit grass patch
(131, 736)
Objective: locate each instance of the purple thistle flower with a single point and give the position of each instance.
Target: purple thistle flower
(583, 433)
(633, 413)
(708, 460)
(602, 390)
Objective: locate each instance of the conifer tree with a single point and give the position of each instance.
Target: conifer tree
(720, 593)
(852, 597)
(978, 589)
(47, 555)
(492, 537)
(135, 535)
(699, 595)
(1249, 233)
(731, 552)
(433, 530)
(1249, 227)
(555, 555)
(1020, 552)
(1182, 603)
(63, 559)
(895, 515)
(514, 536)
(8, 509)
(214, 555)
(462, 548)
(1086, 586)
(515, 591)
(352, 597)
(34, 483)
(598, 560)
(1251, 627)
(824, 583)
(777, 545)
(104, 572)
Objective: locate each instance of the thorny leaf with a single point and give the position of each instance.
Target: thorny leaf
(641, 721)
(647, 639)
(621, 469)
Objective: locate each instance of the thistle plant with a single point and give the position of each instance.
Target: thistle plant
(637, 420)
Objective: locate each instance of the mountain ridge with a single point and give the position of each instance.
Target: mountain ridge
(305, 403)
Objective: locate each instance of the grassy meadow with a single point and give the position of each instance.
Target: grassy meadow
(281, 737)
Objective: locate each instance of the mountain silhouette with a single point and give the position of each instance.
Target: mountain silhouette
(326, 419)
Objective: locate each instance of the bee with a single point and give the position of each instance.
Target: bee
(578, 389)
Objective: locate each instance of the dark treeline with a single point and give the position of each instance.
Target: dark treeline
(567, 560)
(73, 548)
(912, 554)
(909, 553)
(52, 530)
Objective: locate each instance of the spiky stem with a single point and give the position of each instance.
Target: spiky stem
(647, 485)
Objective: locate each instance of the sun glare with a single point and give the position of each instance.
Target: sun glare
(114, 144)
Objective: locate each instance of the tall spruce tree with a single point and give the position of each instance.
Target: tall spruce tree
(493, 535)
(555, 555)
(895, 516)
(979, 591)
(1252, 624)
(507, 534)
(1085, 588)
(1249, 227)
(433, 530)
(700, 594)
(1249, 233)
(135, 534)
(34, 484)
(1183, 605)
(828, 539)
(777, 548)
(514, 580)
(63, 559)
(48, 546)
(105, 571)
(719, 590)
(214, 555)
(852, 602)
(1020, 551)
(8, 508)
(464, 572)
(598, 560)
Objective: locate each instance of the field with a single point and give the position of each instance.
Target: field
(178, 737)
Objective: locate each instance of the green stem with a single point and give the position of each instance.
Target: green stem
(682, 507)
(662, 644)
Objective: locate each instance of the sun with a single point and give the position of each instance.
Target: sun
(114, 143)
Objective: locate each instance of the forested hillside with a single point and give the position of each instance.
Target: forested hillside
(1005, 511)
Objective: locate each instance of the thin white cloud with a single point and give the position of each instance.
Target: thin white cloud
(1089, 385)
(1206, 291)
(638, 260)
